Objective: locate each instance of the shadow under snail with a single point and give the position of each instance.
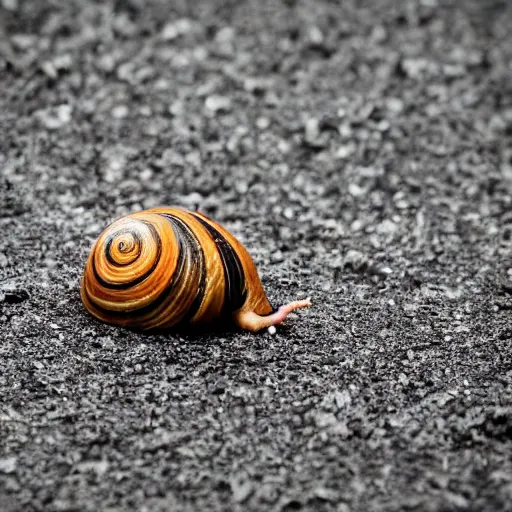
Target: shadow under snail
(167, 267)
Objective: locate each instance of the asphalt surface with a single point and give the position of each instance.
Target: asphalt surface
(362, 151)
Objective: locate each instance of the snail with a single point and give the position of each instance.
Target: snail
(168, 267)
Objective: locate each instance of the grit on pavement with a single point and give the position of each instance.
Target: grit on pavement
(362, 151)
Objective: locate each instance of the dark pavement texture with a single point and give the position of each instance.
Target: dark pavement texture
(362, 151)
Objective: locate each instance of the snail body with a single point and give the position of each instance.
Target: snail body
(167, 267)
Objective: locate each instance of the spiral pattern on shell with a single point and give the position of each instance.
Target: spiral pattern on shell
(166, 267)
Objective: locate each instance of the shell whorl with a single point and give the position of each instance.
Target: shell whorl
(166, 267)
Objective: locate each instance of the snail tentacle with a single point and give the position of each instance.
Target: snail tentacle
(252, 322)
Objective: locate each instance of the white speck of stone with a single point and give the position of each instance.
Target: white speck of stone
(325, 494)
(242, 488)
(54, 326)
(357, 225)
(192, 200)
(225, 34)
(387, 271)
(200, 53)
(64, 113)
(383, 126)
(145, 111)
(8, 465)
(216, 103)
(326, 287)
(312, 129)
(176, 28)
(402, 204)
(10, 5)
(345, 151)
(263, 123)
(176, 108)
(64, 61)
(241, 187)
(315, 35)
(448, 338)
(395, 105)
(120, 112)
(325, 419)
(342, 398)
(387, 226)
(99, 467)
(403, 379)
(49, 69)
(355, 190)
(379, 34)
(54, 119)
(114, 169)
(272, 330)
(252, 84)
(277, 256)
(146, 174)
(283, 146)
(23, 41)
(345, 129)
(288, 213)
(465, 382)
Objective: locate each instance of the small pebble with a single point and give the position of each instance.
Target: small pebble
(312, 129)
(315, 35)
(272, 330)
(216, 103)
(23, 41)
(277, 257)
(288, 213)
(242, 488)
(176, 28)
(241, 187)
(256, 85)
(10, 5)
(49, 70)
(263, 123)
(120, 112)
(8, 465)
(345, 151)
(56, 118)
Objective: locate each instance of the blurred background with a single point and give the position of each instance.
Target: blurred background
(362, 151)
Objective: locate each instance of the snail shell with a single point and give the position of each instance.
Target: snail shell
(166, 267)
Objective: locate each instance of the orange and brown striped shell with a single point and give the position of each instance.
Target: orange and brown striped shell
(166, 267)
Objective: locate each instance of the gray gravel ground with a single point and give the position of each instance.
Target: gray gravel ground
(363, 153)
